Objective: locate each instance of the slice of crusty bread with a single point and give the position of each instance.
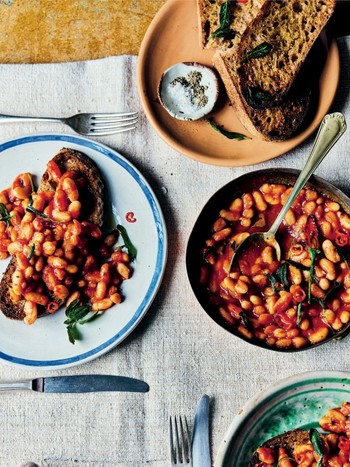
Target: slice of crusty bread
(208, 12)
(10, 310)
(92, 193)
(287, 440)
(276, 123)
(92, 203)
(290, 27)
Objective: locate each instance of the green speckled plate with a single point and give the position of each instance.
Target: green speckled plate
(296, 402)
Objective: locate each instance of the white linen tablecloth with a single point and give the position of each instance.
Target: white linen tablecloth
(177, 348)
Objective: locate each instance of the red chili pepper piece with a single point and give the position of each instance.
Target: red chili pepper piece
(311, 232)
(52, 307)
(130, 217)
(341, 237)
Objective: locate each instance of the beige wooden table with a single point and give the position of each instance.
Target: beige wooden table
(177, 348)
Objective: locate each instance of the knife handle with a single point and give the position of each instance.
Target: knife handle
(18, 385)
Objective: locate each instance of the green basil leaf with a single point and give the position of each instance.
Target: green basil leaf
(344, 254)
(259, 51)
(75, 315)
(259, 95)
(76, 312)
(73, 333)
(32, 210)
(272, 279)
(233, 247)
(225, 19)
(313, 252)
(228, 134)
(336, 285)
(31, 184)
(4, 215)
(281, 274)
(31, 251)
(317, 445)
(226, 32)
(225, 15)
(132, 251)
(300, 266)
(245, 320)
(95, 315)
(299, 314)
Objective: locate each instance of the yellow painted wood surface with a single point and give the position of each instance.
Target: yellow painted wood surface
(40, 31)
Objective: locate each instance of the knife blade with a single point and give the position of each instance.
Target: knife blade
(200, 438)
(78, 383)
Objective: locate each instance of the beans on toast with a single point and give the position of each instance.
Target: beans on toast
(92, 211)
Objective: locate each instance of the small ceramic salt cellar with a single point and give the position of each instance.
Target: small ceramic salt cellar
(188, 91)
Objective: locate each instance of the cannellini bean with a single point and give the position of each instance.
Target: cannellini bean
(102, 305)
(330, 251)
(31, 312)
(260, 203)
(319, 335)
(222, 234)
(328, 267)
(283, 302)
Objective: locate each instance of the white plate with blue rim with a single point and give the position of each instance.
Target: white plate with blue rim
(295, 402)
(45, 344)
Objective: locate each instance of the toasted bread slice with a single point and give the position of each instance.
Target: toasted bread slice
(208, 12)
(92, 197)
(290, 28)
(11, 310)
(92, 194)
(277, 123)
(288, 440)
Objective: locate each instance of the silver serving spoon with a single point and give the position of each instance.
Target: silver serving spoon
(331, 129)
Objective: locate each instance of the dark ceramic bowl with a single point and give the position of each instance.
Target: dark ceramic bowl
(202, 230)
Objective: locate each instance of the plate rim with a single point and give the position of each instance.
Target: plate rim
(285, 146)
(258, 400)
(161, 258)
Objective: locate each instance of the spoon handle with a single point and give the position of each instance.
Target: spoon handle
(331, 129)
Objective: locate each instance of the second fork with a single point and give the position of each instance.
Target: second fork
(88, 124)
(180, 442)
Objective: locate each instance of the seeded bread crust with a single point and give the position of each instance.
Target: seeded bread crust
(287, 440)
(209, 21)
(272, 124)
(291, 28)
(92, 197)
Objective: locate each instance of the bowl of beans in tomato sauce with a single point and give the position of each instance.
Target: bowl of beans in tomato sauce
(296, 303)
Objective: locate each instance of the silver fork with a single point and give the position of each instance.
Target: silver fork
(180, 442)
(99, 124)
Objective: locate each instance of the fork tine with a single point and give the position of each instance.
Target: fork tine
(178, 450)
(172, 456)
(111, 131)
(101, 121)
(105, 125)
(180, 444)
(186, 440)
(114, 115)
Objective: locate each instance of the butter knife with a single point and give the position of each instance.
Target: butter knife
(200, 438)
(78, 383)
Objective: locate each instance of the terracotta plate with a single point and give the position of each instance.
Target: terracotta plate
(173, 37)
